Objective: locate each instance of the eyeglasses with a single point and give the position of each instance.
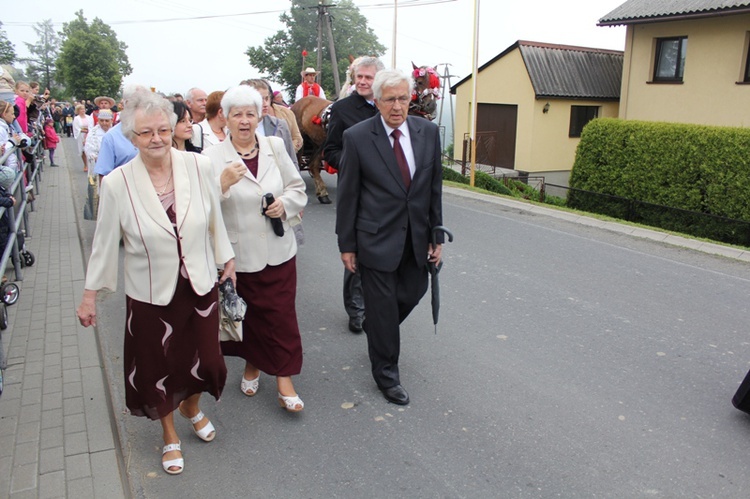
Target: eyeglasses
(403, 100)
(162, 132)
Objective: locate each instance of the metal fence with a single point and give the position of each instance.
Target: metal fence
(706, 225)
(24, 188)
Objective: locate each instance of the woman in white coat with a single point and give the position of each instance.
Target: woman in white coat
(82, 123)
(165, 206)
(248, 167)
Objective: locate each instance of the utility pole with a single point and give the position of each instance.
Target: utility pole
(324, 17)
(319, 65)
(446, 85)
(395, 33)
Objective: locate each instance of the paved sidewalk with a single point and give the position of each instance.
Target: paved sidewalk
(56, 432)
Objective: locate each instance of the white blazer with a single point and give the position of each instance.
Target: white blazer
(129, 208)
(253, 240)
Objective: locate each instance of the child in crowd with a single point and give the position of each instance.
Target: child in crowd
(50, 139)
(7, 136)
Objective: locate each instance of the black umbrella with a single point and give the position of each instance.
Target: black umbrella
(434, 270)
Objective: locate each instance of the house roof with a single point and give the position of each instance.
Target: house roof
(643, 11)
(564, 71)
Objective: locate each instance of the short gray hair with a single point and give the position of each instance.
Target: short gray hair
(242, 95)
(367, 61)
(189, 94)
(148, 103)
(390, 78)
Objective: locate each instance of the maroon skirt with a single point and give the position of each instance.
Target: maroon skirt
(270, 334)
(172, 351)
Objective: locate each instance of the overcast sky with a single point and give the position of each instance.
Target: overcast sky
(174, 55)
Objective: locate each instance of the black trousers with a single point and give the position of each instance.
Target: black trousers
(389, 299)
(354, 303)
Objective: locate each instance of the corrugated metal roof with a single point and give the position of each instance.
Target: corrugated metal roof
(637, 11)
(564, 71)
(573, 72)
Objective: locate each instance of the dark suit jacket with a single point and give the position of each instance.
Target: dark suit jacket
(374, 209)
(344, 113)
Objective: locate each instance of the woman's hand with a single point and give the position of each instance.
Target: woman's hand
(231, 175)
(229, 273)
(87, 309)
(276, 209)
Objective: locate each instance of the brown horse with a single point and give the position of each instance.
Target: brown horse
(309, 112)
(312, 117)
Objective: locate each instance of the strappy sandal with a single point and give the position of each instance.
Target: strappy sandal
(291, 404)
(250, 386)
(207, 433)
(178, 463)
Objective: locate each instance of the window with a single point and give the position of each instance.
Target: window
(670, 59)
(579, 116)
(746, 79)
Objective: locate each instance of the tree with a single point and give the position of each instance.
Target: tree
(7, 49)
(280, 57)
(41, 65)
(92, 61)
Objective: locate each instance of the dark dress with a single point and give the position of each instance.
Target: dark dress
(270, 334)
(172, 351)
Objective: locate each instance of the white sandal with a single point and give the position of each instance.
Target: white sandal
(179, 462)
(207, 433)
(291, 403)
(250, 386)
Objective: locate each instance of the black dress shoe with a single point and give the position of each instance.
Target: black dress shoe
(396, 394)
(355, 324)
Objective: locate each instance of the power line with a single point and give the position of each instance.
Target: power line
(404, 4)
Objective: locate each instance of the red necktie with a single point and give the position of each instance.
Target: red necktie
(401, 158)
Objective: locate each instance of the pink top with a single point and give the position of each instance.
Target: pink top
(23, 119)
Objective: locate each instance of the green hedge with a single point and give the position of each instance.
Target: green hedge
(507, 186)
(692, 167)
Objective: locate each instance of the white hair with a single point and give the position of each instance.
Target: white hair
(189, 94)
(242, 95)
(149, 103)
(389, 78)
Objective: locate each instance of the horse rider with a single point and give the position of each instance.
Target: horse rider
(309, 86)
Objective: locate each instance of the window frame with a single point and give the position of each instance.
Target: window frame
(579, 120)
(746, 79)
(679, 69)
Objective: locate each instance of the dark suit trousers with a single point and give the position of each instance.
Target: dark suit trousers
(353, 301)
(390, 297)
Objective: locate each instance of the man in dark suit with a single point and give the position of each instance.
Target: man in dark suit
(389, 198)
(345, 113)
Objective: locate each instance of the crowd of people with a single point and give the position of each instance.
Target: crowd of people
(206, 189)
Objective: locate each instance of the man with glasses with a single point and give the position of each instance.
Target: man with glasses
(389, 199)
(359, 106)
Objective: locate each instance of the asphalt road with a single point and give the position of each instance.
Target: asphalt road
(569, 362)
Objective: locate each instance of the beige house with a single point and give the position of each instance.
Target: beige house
(533, 101)
(685, 61)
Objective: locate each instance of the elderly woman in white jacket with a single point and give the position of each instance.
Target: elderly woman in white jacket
(248, 167)
(164, 205)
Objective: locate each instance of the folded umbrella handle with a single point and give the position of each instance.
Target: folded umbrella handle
(441, 228)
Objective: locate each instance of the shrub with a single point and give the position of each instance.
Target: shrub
(691, 167)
